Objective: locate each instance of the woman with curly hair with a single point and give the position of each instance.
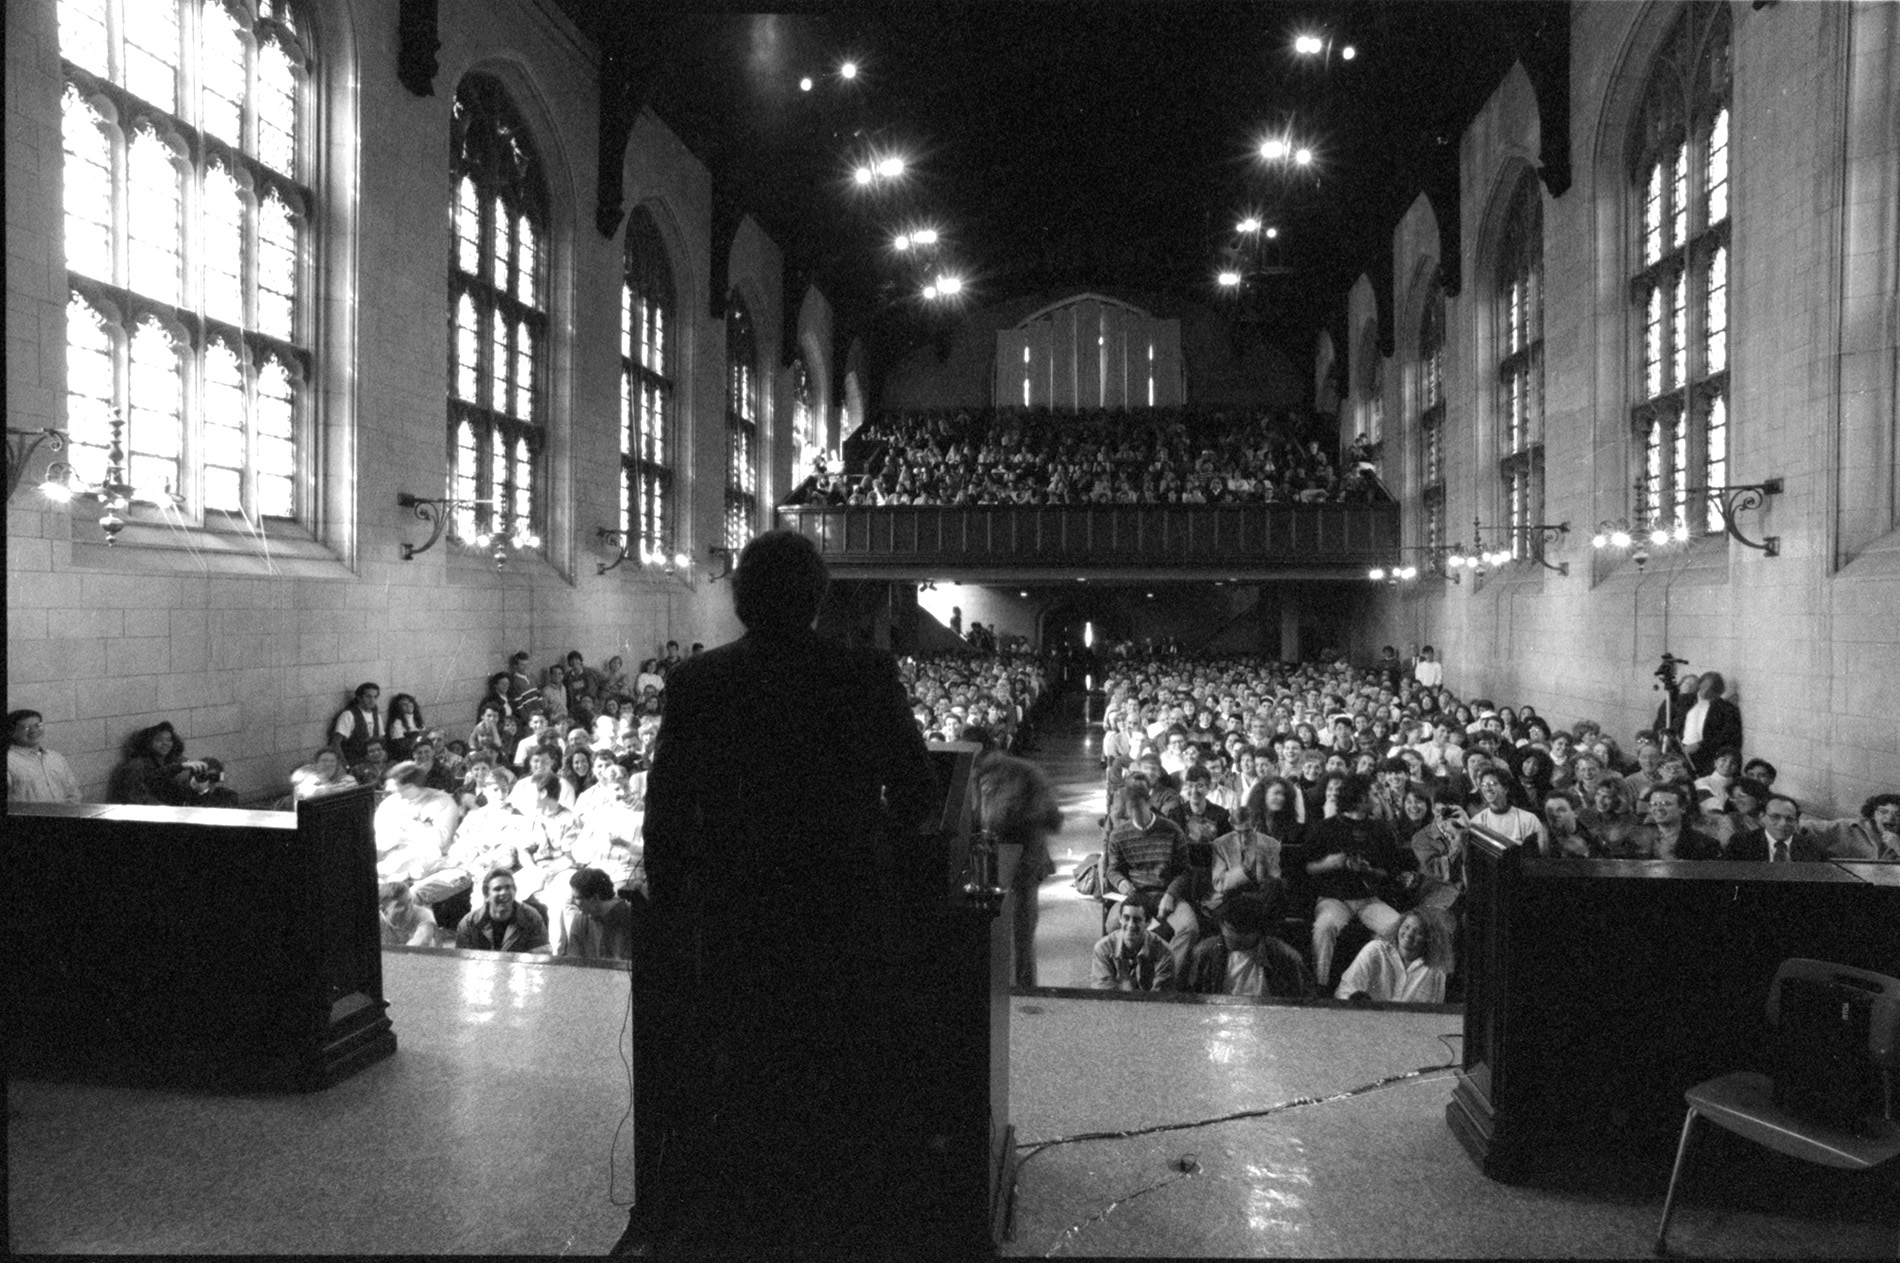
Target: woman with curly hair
(402, 727)
(1411, 967)
(153, 768)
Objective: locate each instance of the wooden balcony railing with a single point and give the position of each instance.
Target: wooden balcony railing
(1199, 539)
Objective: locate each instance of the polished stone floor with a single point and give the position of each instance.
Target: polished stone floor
(497, 1129)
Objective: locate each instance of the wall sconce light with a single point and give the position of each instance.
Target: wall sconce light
(1480, 560)
(725, 557)
(1729, 501)
(436, 510)
(62, 483)
(21, 444)
(668, 563)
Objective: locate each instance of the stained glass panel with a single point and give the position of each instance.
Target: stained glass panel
(468, 228)
(1715, 464)
(1718, 168)
(221, 75)
(276, 268)
(89, 390)
(1716, 319)
(156, 397)
(223, 434)
(524, 373)
(82, 35)
(1678, 332)
(276, 419)
(224, 236)
(1653, 216)
(276, 107)
(528, 264)
(154, 235)
(464, 484)
(152, 51)
(88, 193)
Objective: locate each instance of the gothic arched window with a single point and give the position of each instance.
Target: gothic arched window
(1431, 416)
(498, 313)
(1679, 173)
(649, 357)
(804, 419)
(1520, 373)
(188, 209)
(742, 425)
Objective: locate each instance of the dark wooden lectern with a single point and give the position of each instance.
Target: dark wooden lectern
(185, 945)
(1600, 990)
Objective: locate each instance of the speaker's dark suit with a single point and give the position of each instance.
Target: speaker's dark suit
(784, 766)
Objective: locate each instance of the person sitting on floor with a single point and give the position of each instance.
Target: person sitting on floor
(1130, 957)
(414, 826)
(502, 923)
(1245, 958)
(1410, 967)
(405, 923)
(597, 924)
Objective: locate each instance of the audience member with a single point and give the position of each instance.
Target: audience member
(1872, 835)
(403, 727)
(1408, 967)
(1245, 959)
(1352, 857)
(154, 770)
(357, 724)
(34, 773)
(1669, 835)
(1017, 806)
(1778, 839)
(502, 923)
(1131, 957)
(597, 924)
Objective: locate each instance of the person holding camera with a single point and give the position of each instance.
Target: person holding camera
(1354, 857)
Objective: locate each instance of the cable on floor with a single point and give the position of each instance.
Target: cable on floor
(624, 1045)
(1186, 1167)
(1038, 1146)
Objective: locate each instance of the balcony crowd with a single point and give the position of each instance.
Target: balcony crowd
(994, 457)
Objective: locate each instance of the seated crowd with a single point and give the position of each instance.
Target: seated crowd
(1265, 801)
(1150, 456)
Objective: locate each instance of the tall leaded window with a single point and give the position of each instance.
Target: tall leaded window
(1371, 384)
(188, 215)
(649, 352)
(498, 314)
(1520, 377)
(742, 425)
(1431, 417)
(1680, 178)
(804, 418)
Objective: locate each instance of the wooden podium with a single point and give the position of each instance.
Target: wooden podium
(1598, 991)
(189, 945)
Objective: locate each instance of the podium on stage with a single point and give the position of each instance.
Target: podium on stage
(192, 945)
(1599, 990)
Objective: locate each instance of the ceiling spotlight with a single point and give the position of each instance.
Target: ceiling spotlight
(930, 291)
(804, 85)
(891, 168)
(925, 236)
(863, 175)
(1348, 53)
(1659, 536)
(1249, 224)
(1272, 233)
(949, 284)
(1229, 278)
(1303, 156)
(849, 70)
(902, 242)
(1274, 150)
(1307, 45)
(1375, 574)
(1022, 594)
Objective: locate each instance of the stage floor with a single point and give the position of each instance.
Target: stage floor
(490, 1132)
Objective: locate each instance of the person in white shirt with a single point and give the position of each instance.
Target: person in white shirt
(1500, 817)
(1430, 671)
(414, 826)
(34, 773)
(1409, 968)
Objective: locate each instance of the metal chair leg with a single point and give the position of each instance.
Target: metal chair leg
(1675, 1174)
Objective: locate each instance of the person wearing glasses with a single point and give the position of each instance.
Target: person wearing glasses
(34, 773)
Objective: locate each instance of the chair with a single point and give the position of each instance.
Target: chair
(1747, 1103)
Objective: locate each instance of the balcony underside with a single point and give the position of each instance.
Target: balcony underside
(1128, 542)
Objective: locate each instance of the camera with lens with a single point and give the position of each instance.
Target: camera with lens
(1667, 671)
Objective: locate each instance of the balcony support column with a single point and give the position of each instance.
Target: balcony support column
(1290, 622)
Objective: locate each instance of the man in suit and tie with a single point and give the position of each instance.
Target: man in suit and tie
(1778, 840)
(763, 1040)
